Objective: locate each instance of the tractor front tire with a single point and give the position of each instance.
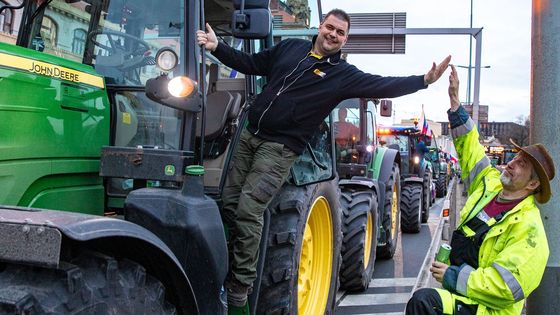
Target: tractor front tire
(302, 261)
(390, 214)
(359, 238)
(90, 283)
(411, 208)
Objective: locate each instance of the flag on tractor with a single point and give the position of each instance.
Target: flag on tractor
(425, 127)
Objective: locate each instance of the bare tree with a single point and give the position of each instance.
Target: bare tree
(521, 135)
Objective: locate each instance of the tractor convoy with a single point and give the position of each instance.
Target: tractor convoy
(117, 133)
(416, 169)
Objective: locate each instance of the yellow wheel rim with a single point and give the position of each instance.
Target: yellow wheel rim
(367, 243)
(394, 210)
(315, 264)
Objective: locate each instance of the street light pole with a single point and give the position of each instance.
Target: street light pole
(470, 61)
(477, 67)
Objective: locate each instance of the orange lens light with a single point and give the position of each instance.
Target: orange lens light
(181, 86)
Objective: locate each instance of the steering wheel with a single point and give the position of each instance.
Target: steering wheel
(115, 47)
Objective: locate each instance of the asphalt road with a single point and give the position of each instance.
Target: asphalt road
(393, 279)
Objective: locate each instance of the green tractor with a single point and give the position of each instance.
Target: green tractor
(112, 162)
(416, 174)
(441, 173)
(370, 191)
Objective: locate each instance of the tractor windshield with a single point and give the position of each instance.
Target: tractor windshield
(396, 142)
(119, 38)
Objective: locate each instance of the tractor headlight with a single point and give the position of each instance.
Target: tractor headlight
(166, 59)
(416, 159)
(181, 86)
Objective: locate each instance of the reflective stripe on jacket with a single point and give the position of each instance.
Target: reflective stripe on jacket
(513, 255)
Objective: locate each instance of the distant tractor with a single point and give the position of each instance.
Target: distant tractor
(416, 174)
(440, 167)
(370, 191)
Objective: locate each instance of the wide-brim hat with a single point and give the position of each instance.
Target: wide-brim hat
(544, 166)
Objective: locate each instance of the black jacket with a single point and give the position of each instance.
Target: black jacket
(302, 90)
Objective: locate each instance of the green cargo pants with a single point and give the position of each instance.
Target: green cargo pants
(258, 171)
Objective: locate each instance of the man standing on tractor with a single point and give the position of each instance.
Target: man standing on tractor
(306, 80)
(499, 250)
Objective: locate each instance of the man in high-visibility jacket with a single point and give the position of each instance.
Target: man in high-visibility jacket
(499, 250)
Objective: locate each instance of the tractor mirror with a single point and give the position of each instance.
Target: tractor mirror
(386, 108)
(251, 23)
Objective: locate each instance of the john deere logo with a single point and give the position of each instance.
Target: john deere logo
(169, 170)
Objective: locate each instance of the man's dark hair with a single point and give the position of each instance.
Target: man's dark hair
(341, 14)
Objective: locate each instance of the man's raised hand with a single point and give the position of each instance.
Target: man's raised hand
(208, 39)
(453, 89)
(436, 71)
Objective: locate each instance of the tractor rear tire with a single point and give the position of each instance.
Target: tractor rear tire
(426, 195)
(411, 208)
(390, 214)
(359, 238)
(441, 187)
(90, 283)
(302, 260)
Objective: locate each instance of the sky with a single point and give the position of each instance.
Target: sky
(506, 48)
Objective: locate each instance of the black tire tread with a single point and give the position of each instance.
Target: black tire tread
(388, 250)
(427, 195)
(91, 282)
(356, 204)
(441, 187)
(410, 205)
(278, 290)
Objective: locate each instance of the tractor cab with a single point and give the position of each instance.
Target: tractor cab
(416, 173)
(354, 132)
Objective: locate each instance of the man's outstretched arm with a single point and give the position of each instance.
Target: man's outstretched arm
(357, 83)
(257, 64)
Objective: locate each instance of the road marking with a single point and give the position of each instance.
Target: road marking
(375, 299)
(392, 282)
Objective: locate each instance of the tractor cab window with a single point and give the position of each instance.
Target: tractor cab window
(119, 38)
(347, 130)
(6, 21)
(347, 123)
(129, 34)
(52, 27)
(396, 142)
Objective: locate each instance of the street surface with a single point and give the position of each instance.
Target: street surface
(394, 279)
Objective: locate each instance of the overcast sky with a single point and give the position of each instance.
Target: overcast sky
(506, 48)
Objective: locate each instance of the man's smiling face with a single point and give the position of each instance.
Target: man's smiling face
(333, 34)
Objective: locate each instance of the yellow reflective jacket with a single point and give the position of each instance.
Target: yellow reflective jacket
(514, 253)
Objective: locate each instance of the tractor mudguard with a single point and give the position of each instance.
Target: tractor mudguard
(414, 180)
(373, 184)
(390, 156)
(101, 233)
(360, 181)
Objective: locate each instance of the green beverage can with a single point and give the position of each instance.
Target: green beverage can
(443, 253)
